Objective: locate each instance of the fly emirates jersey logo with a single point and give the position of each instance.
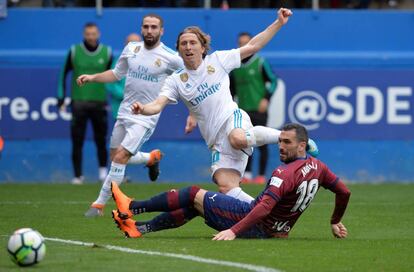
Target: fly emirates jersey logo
(308, 167)
(204, 91)
(143, 73)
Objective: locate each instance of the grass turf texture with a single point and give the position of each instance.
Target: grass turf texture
(379, 220)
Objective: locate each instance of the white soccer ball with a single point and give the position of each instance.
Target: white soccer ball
(26, 247)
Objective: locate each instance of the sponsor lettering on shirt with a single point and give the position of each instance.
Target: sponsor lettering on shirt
(205, 91)
(142, 73)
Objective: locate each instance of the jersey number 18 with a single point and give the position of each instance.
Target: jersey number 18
(307, 191)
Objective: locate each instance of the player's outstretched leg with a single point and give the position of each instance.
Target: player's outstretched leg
(260, 135)
(153, 164)
(164, 202)
(127, 226)
(167, 220)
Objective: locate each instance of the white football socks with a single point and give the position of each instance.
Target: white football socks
(116, 174)
(260, 135)
(238, 193)
(139, 158)
(103, 172)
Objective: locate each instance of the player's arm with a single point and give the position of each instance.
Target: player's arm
(152, 108)
(342, 195)
(261, 39)
(191, 123)
(104, 77)
(261, 210)
(116, 89)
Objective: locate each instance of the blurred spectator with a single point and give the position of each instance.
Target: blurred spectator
(253, 84)
(88, 102)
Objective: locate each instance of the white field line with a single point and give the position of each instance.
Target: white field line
(249, 267)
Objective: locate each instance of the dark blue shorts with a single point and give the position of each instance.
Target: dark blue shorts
(221, 212)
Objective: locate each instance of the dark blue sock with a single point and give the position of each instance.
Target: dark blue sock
(167, 220)
(165, 202)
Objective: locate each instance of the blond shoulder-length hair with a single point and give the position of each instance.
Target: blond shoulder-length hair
(202, 37)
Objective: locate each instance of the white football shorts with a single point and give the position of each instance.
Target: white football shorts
(223, 155)
(129, 135)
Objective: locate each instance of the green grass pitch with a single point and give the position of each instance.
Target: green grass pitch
(380, 221)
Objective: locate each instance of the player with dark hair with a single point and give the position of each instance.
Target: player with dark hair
(145, 65)
(274, 212)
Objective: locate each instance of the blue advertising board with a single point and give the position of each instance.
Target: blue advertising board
(347, 104)
(28, 108)
(333, 104)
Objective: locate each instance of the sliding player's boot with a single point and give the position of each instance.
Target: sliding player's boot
(127, 226)
(122, 201)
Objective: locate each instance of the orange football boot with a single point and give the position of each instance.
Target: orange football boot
(127, 226)
(154, 164)
(122, 201)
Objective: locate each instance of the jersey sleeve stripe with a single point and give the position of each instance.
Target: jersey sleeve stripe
(332, 185)
(169, 50)
(237, 119)
(272, 195)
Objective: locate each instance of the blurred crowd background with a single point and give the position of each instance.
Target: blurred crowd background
(225, 4)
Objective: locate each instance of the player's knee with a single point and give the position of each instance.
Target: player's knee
(121, 156)
(224, 189)
(226, 179)
(238, 140)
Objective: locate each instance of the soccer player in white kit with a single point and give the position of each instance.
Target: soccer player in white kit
(145, 65)
(203, 85)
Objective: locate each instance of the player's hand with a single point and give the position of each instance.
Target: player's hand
(225, 235)
(190, 124)
(137, 108)
(283, 15)
(82, 79)
(263, 105)
(339, 230)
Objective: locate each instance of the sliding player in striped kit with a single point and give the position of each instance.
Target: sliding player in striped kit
(203, 86)
(145, 65)
(287, 194)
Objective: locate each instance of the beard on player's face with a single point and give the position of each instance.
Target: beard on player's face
(150, 40)
(287, 155)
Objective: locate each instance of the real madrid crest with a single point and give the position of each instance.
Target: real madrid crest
(210, 69)
(184, 77)
(158, 62)
(136, 49)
